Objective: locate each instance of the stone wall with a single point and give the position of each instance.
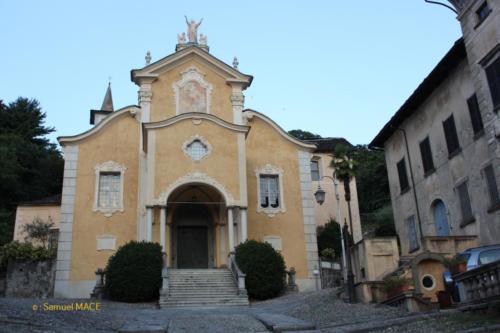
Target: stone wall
(30, 279)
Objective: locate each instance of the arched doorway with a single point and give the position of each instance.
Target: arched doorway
(196, 216)
(440, 218)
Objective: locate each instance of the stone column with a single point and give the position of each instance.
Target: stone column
(149, 224)
(230, 228)
(163, 222)
(244, 227)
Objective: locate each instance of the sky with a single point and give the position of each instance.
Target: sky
(335, 68)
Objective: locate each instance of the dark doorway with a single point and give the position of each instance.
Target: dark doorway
(192, 247)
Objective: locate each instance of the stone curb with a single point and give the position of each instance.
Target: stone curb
(142, 329)
(282, 323)
(490, 328)
(379, 325)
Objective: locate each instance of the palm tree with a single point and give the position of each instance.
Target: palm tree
(345, 166)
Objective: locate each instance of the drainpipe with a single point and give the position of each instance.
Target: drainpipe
(414, 189)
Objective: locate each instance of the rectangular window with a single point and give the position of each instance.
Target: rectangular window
(314, 170)
(491, 182)
(482, 12)
(269, 191)
(475, 115)
(493, 76)
(450, 133)
(403, 176)
(109, 190)
(412, 233)
(425, 151)
(465, 206)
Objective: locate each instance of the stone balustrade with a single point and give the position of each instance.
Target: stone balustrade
(481, 284)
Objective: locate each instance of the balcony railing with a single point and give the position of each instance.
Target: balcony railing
(449, 245)
(481, 284)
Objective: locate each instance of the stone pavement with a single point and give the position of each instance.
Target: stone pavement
(312, 312)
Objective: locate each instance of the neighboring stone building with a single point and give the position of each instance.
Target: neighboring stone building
(442, 151)
(322, 174)
(47, 209)
(188, 168)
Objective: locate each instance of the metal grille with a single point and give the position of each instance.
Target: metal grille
(196, 150)
(269, 191)
(109, 189)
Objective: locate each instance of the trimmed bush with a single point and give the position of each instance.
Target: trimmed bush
(264, 269)
(133, 273)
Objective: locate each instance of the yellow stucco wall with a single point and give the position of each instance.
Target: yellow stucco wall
(171, 162)
(163, 103)
(118, 142)
(266, 146)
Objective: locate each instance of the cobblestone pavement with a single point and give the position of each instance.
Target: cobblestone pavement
(321, 308)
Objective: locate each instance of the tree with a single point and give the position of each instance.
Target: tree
(328, 237)
(303, 135)
(30, 166)
(38, 231)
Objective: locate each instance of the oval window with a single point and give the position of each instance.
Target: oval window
(428, 282)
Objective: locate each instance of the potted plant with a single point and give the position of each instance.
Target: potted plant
(456, 265)
(396, 285)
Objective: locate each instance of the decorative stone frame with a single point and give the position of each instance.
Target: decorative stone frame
(192, 74)
(275, 241)
(268, 169)
(203, 141)
(109, 166)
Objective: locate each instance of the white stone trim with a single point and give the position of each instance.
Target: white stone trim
(250, 114)
(153, 70)
(109, 166)
(63, 264)
(192, 74)
(197, 118)
(105, 242)
(200, 178)
(74, 289)
(203, 141)
(304, 159)
(129, 110)
(275, 241)
(268, 169)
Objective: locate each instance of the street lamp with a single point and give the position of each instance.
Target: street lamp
(320, 195)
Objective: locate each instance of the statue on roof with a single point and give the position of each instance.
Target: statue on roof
(192, 30)
(181, 38)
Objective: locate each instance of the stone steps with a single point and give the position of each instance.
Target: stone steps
(201, 287)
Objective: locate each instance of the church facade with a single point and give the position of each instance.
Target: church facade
(189, 168)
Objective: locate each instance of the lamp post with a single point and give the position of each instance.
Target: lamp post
(320, 198)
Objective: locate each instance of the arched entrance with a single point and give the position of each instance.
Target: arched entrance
(440, 218)
(196, 217)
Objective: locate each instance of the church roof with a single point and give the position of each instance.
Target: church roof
(54, 200)
(107, 103)
(152, 70)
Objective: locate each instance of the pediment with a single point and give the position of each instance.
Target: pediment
(152, 71)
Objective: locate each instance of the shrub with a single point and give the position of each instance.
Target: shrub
(133, 273)
(15, 251)
(328, 254)
(264, 269)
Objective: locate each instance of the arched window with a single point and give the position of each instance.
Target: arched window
(440, 218)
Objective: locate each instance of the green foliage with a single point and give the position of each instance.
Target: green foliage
(344, 162)
(264, 269)
(30, 166)
(303, 135)
(328, 237)
(38, 230)
(372, 182)
(327, 254)
(16, 251)
(133, 273)
(384, 220)
(453, 261)
(394, 282)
